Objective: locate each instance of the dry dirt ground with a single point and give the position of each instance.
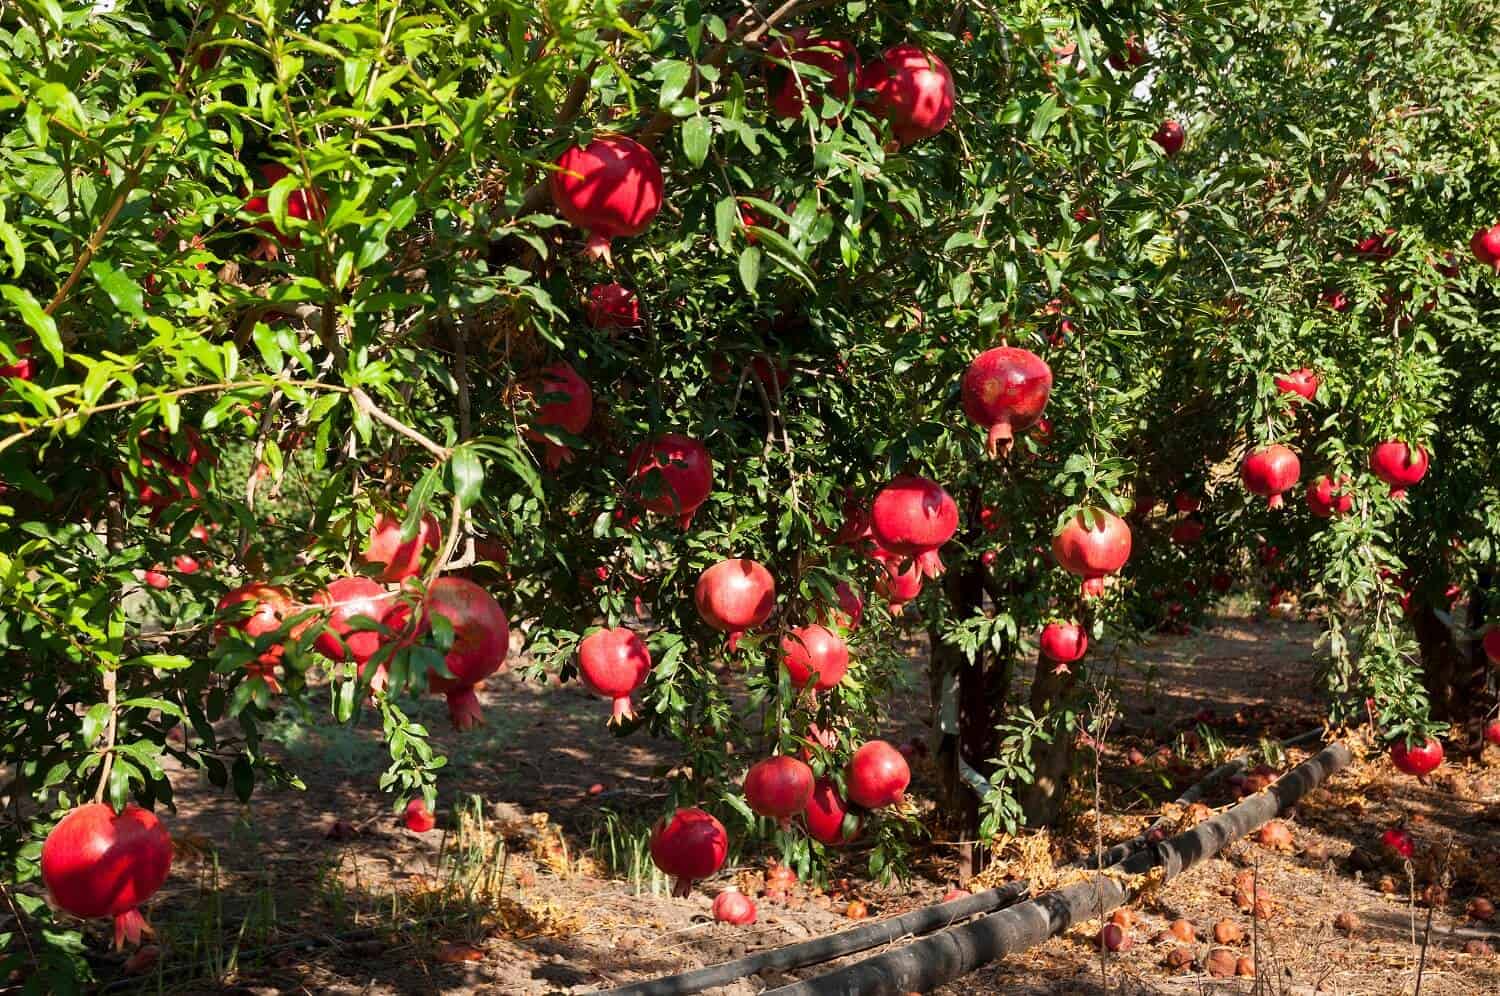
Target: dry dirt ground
(323, 892)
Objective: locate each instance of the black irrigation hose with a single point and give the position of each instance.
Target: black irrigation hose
(921, 921)
(931, 961)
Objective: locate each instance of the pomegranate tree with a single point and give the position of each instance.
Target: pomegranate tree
(1270, 471)
(734, 596)
(98, 863)
(1006, 389)
(610, 188)
(912, 517)
(814, 657)
(481, 640)
(689, 845)
(613, 663)
(779, 787)
(1092, 544)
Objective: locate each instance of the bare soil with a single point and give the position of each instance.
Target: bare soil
(323, 891)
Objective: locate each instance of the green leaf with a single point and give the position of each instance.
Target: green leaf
(468, 475)
(36, 319)
(697, 135)
(750, 267)
(123, 292)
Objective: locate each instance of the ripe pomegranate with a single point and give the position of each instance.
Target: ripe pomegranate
(895, 585)
(672, 475)
(401, 560)
(24, 368)
(735, 595)
(97, 863)
(1377, 246)
(1398, 465)
(1064, 642)
(1325, 498)
(877, 775)
(613, 663)
(481, 639)
(268, 610)
(611, 188)
(1492, 644)
(1418, 760)
(734, 907)
(1398, 842)
(303, 205)
(564, 402)
(347, 598)
(1303, 383)
(1269, 471)
(1186, 502)
(1486, 246)
(612, 306)
(1492, 731)
(156, 579)
(689, 846)
(1005, 389)
(418, 818)
(779, 787)
(814, 650)
(1092, 544)
(1170, 137)
(833, 56)
(825, 815)
(851, 610)
(1133, 55)
(913, 91)
(1335, 300)
(913, 517)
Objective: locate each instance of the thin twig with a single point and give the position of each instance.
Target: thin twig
(366, 404)
(110, 681)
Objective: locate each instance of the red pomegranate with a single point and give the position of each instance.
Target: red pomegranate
(734, 907)
(895, 585)
(613, 663)
(689, 846)
(1398, 465)
(24, 368)
(1269, 471)
(303, 205)
(1064, 642)
(1492, 732)
(1133, 55)
(1187, 532)
(1335, 300)
(814, 650)
(1377, 246)
(481, 639)
(825, 815)
(1170, 137)
(417, 817)
(97, 863)
(1006, 389)
(1492, 644)
(735, 595)
(1418, 760)
(154, 577)
(855, 529)
(1186, 502)
(1303, 383)
(564, 402)
(1398, 842)
(672, 475)
(834, 57)
(913, 91)
(269, 608)
(347, 598)
(851, 610)
(401, 560)
(877, 775)
(1093, 544)
(1325, 498)
(1486, 246)
(613, 306)
(779, 787)
(611, 188)
(913, 517)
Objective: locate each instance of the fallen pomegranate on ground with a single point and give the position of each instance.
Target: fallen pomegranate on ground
(1421, 759)
(734, 907)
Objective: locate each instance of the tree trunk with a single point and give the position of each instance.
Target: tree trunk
(1043, 799)
(1452, 670)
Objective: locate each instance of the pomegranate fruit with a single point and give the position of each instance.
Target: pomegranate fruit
(481, 639)
(1186, 502)
(800, 47)
(1491, 644)
(1335, 300)
(1492, 732)
(418, 818)
(913, 517)
(24, 368)
(1377, 246)
(735, 595)
(851, 610)
(1170, 137)
(268, 609)
(1419, 760)
(612, 306)
(564, 402)
(156, 579)
(913, 90)
(1269, 471)
(672, 475)
(1006, 389)
(814, 650)
(895, 585)
(877, 775)
(303, 205)
(613, 663)
(1398, 465)
(1093, 544)
(734, 907)
(610, 188)
(1131, 56)
(347, 598)
(689, 846)
(1302, 383)
(1398, 843)
(779, 787)
(97, 862)
(1064, 642)
(1486, 246)
(400, 560)
(1325, 498)
(825, 815)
